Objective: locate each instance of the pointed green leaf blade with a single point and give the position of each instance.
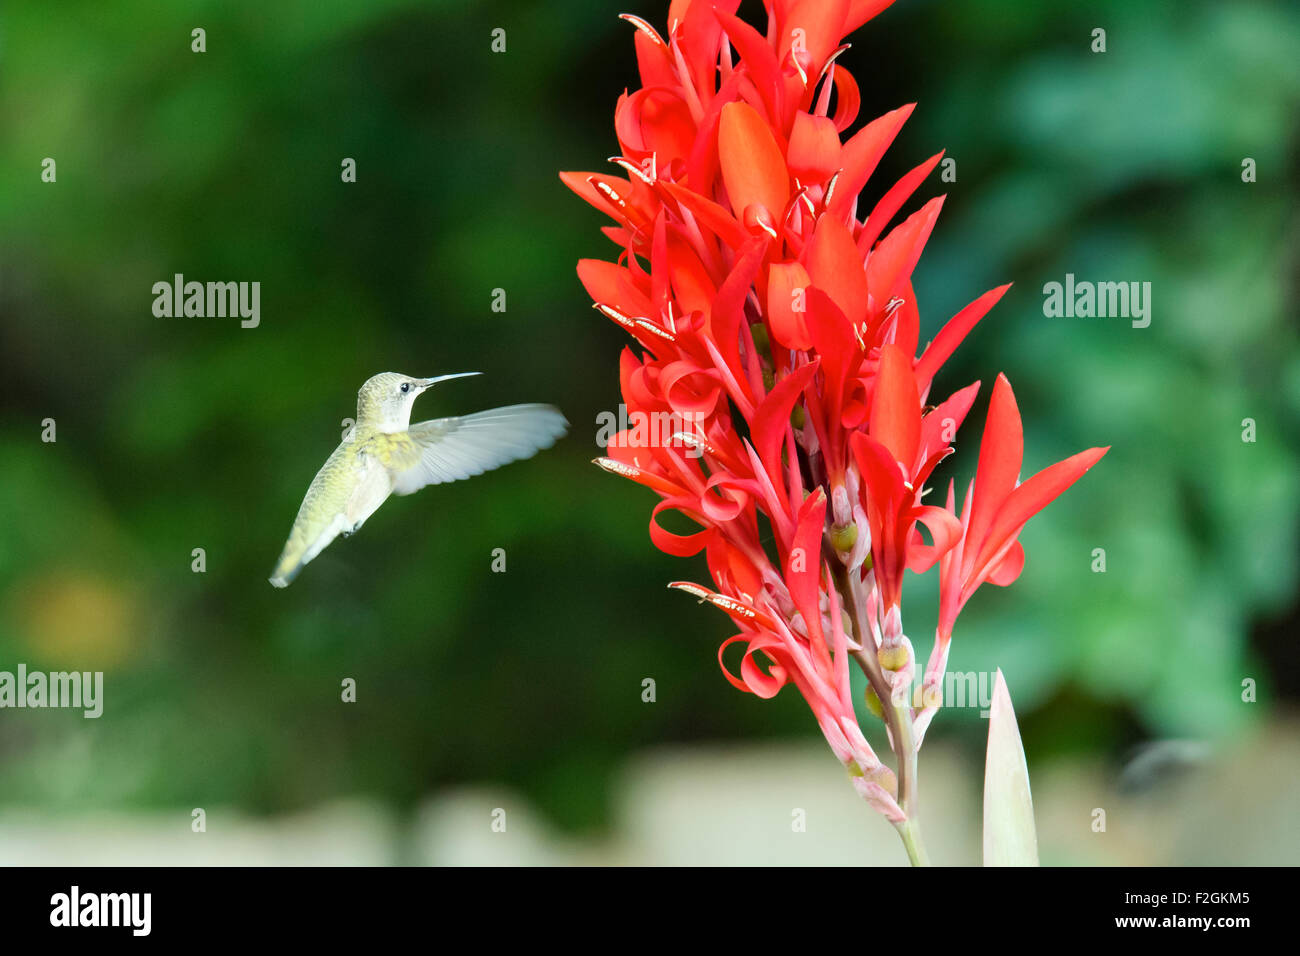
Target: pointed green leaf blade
(1009, 835)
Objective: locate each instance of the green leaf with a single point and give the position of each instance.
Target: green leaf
(1009, 835)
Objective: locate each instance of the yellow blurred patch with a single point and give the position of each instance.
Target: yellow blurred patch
(73, 620)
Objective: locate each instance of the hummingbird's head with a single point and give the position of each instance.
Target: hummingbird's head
(385, 401)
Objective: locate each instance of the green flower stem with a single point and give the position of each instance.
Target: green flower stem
(910, 831)
(897, 716)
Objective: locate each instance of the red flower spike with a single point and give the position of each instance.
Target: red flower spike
(775, 332)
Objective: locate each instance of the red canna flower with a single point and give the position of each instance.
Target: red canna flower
(776, 329)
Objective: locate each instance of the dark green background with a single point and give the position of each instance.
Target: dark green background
(182, 433)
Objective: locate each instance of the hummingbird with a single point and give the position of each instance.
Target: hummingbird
(384, 454)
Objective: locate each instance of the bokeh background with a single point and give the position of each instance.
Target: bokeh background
(523, 689)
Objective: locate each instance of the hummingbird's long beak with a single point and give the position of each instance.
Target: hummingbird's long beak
(428, 382)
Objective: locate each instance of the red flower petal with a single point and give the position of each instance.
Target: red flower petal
(753, 168)
(772, 419)
(892, 201)
(822, 23)
(1008, 569)
(679, 545)
(785, 280)
(1001, 453)
(836, 268)
(714, 217)
(610, 284)
(653, 61)
(945, 532)
(951, 335)
(804, 563)
(757, 55)
(939, 428)
(655, 120)
(896, 408)
(752, 680)
(891, 263)
(1032, 497)
(814, 153)
(862, 153)
(860, 11)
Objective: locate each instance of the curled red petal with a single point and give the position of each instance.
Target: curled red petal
(1008, 569)
(752, 679)
(945, 531)
(679, 545)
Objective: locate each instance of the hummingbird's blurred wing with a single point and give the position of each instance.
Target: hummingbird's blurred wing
(454, 448)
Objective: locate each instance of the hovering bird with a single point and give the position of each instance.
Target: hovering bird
(385, 454)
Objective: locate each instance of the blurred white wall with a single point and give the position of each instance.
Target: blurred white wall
(743, 805)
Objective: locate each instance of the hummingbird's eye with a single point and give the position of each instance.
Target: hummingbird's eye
(406, 386)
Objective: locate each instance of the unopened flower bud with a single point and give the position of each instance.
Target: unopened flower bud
(844, 536)
(883, 776)
(893, 658)
(873, 702)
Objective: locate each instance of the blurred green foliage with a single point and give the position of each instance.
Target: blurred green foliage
(175, 434)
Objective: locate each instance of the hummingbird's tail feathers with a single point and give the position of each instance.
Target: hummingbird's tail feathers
(287, 568)
(295, 556)
(452, 449)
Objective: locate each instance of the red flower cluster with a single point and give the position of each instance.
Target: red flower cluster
(780, 329)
